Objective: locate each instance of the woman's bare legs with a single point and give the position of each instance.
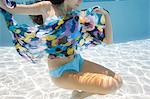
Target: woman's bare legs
(93, 79)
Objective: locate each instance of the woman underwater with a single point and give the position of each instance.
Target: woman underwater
(61, 31)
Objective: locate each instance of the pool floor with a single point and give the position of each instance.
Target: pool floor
(22, 80)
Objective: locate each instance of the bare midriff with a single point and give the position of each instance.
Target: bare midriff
(54, 63)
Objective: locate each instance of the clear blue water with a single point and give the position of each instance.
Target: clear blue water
(130, 20)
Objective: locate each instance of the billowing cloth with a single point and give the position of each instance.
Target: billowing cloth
(59, 36)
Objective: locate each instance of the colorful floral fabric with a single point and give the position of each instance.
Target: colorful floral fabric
(58, 36)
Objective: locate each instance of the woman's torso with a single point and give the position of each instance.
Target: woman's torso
(54, 63)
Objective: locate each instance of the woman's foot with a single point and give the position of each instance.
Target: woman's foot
(80, 95)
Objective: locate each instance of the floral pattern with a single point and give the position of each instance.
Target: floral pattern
(58, 36)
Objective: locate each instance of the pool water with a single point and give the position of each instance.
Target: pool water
(128, 56)
(22, 80)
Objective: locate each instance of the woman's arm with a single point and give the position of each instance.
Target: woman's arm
(39, 8)
(108, 30)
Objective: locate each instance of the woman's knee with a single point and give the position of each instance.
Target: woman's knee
(99, 83)
(107, 84)
(115, 83)
(119, 80)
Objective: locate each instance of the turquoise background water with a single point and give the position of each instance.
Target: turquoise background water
(130, 20)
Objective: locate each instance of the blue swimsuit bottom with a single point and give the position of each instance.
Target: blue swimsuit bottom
(74, 66)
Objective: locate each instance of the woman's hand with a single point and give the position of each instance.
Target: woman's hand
(6, 4)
